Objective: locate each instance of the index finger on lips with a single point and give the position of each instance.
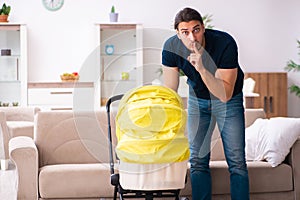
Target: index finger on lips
(195, 47)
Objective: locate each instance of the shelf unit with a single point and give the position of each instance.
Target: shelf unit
(125, 39)
(13, 67)
(61, 95)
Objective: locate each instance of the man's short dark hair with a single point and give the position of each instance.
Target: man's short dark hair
(186, 15)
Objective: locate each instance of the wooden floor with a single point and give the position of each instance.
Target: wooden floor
(8, 183)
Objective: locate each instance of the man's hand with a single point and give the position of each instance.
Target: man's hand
(195, 57)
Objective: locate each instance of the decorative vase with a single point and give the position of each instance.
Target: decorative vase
(113, 17)
(5, 52)
(3, 18)
(125, 76)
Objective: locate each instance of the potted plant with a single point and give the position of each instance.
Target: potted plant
(293, 66)
(4, 12)
(113, 16)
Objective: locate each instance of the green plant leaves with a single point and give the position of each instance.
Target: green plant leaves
(112, 9)
(207, 19)
(295, 89)
(5, 10)
(292, 66)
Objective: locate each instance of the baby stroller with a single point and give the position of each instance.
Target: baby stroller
(151, 149)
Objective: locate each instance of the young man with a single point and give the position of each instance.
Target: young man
(209, 58)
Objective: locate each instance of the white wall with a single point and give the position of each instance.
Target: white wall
(266, 32)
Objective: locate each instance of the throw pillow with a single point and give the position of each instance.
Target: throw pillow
(271, 139)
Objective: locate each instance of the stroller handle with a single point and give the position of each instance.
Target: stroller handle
(112, 99)
(108, 103)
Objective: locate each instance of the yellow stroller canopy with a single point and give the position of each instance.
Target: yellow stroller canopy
(150, 126)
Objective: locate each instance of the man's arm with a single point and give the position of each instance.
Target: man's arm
(171, 77)
(221, 84)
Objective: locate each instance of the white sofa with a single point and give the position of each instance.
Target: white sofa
(68, 159)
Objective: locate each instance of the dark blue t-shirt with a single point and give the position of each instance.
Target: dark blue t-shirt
(220, 52)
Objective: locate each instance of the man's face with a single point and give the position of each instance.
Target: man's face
(191, 32)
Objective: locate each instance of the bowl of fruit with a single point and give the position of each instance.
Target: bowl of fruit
(70, 77)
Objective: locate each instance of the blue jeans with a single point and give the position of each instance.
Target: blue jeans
(202, 116)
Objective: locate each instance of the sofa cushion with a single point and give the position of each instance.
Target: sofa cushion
(265, 178)
(262, 178)
(75, 181)
(20, 128)
(271, 139)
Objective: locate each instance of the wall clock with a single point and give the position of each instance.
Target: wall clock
(53, 5)
(109, 49)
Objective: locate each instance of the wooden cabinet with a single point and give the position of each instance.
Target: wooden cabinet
(13, 63)
(61, 95)
(121, 58)
(272, 89)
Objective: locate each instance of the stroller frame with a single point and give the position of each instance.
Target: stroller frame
(114, 178)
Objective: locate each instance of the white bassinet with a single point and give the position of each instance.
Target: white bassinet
(163, 176)
(151, 146)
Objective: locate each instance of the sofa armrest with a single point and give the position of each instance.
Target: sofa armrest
(23, 152)
(294, 161)
(4, 137)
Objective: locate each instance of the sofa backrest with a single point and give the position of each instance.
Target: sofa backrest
(252, 114)
(71, 137)
(20, 113)
(217, 152)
